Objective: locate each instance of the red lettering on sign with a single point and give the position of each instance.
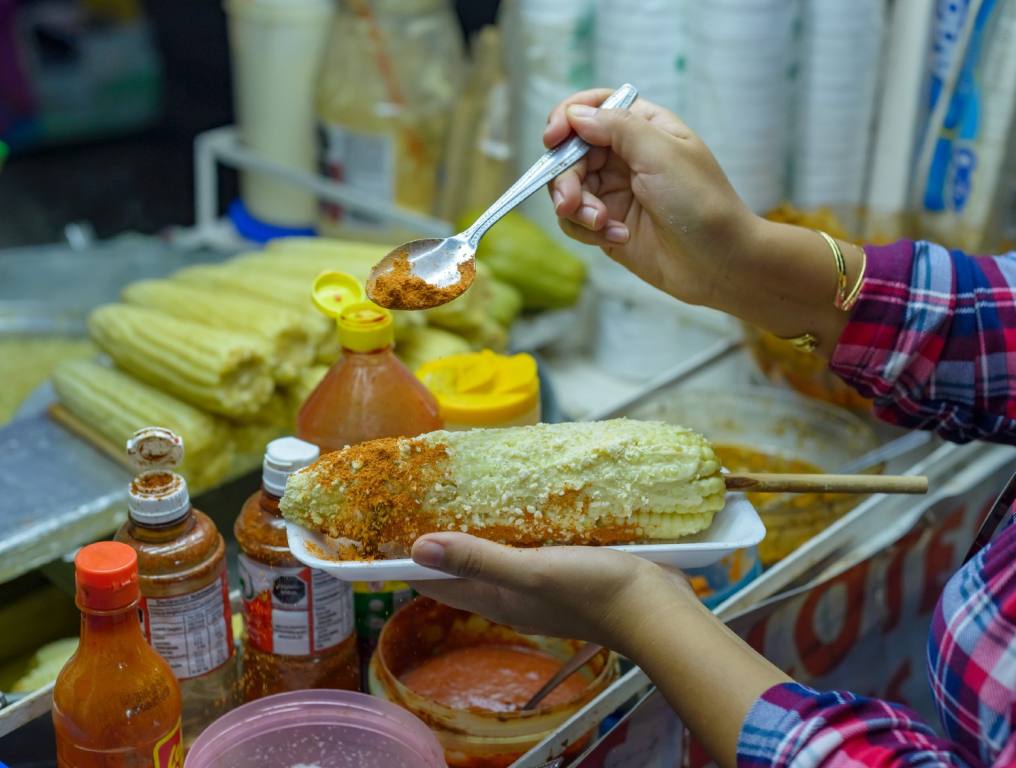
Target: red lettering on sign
(938, 560)
(818, 656)
(894, 579)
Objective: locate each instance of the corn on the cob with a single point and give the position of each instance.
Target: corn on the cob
(272, 289)
(577, 483)
(421, 345)
(220, 371)
(116, 405)
(268, 265)
(290, 346)
(276, 419)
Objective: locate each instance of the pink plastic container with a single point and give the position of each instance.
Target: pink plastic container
(317, 729)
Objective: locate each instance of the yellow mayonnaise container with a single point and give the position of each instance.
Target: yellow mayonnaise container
(484, 389)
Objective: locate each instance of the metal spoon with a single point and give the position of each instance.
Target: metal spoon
(581, 657)
(437, 261)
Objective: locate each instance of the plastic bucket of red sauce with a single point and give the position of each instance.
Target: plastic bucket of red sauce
(427, 645)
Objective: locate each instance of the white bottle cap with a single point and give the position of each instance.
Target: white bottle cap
(158, 497)
(283, 457)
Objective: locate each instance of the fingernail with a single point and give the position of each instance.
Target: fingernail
(587, 215)
(428, 553)
(582, 111)
(558, 199)
(617, 233)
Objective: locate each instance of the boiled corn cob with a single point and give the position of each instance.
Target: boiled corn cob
(290, 346)
(605, 482)
(116, 405)
(220, 371)
(269, 286)
(276, 419)
(306, 267)
(421, 345)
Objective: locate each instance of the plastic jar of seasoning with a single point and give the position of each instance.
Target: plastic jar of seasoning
(484, 389)
(476, 736)
(298, 621)
(181, 561)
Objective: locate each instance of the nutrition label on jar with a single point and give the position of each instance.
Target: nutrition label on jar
(192, 632)
(294, 611)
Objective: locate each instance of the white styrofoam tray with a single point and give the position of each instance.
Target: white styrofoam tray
(736, 526)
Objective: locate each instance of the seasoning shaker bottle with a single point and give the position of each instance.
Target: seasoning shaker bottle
(298, 621)
(184, 606)
(369, 393)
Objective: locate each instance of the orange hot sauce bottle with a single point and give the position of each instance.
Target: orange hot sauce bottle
(116, 703)
(368, 393)
(298, 622)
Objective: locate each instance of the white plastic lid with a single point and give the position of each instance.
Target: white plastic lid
(283, 457)
(158, 497)
(155, 447)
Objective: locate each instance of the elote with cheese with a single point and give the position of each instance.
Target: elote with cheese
(218, 370)
(116, 406)
(607, 482)
(290, 346)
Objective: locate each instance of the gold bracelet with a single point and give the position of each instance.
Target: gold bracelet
(806, 342)
(841, 270)
(855, 292)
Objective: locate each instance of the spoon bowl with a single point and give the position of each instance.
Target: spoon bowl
(445, 266)
(423, 274)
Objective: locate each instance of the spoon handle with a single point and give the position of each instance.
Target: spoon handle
(581, 657)
(552, 164)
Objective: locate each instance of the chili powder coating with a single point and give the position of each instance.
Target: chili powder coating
(401, 288)
(495, 678)
(613, 482)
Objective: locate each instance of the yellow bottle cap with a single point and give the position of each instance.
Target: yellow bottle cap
(334, 291)
(482, 389)
(364, 327)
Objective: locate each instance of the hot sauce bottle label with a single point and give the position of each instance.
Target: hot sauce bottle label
(193, 632)
(294, 611)
(168, 751)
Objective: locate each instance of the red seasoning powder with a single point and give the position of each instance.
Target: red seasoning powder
(400, 288)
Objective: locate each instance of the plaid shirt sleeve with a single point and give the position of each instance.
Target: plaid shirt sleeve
(932, 340)
(972, 667)
(792, 725)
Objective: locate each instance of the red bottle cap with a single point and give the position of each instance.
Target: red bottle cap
(106, 575)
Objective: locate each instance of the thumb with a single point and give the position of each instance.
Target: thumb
(474, 558)
(631, 136)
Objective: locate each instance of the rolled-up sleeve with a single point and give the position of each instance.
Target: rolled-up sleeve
(932, 340)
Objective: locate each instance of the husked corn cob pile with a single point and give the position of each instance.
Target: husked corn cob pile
(222, 371)
(116, 405)
(607, 482)
(290, 348)
(224, 354)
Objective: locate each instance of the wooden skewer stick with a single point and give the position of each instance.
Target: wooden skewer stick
(816, 483)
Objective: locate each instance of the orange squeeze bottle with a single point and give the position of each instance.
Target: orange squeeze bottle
(116, 703)
(368, 393)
